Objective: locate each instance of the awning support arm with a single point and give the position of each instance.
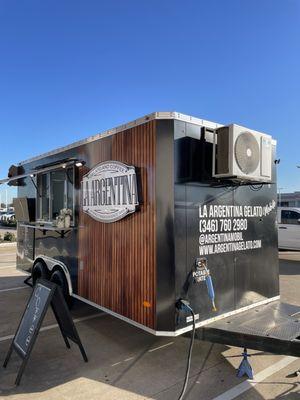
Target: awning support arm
(35, 185)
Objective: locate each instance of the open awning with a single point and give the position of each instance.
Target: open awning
(40, 169)
(273, 327)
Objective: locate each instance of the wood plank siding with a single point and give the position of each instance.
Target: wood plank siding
(117, 261)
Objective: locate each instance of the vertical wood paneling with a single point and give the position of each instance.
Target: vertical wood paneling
(119, 259)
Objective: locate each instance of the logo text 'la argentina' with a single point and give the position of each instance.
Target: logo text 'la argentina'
(109, 191)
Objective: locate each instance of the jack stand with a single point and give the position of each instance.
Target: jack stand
(245, 367)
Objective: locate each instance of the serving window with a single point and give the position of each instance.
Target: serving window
(55, 192)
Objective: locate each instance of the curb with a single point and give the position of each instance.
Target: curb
(8, 244)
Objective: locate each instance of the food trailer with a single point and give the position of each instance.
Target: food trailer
(163, 211)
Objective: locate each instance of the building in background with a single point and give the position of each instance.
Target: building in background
(288, 199)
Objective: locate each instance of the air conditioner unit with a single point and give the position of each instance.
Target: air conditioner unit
(242, 154)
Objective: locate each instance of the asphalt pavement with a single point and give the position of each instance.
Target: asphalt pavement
(127, 363)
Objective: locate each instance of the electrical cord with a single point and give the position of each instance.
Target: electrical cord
(185, 305)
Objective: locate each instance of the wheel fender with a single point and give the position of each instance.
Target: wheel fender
(53, 265)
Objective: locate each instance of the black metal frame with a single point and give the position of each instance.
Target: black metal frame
(55, 298)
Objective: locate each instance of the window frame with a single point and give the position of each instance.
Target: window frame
(39, 198)
(284, 218)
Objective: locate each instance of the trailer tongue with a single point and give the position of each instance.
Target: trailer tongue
(273, 327)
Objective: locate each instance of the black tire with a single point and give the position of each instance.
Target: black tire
(39, 271)
(59, 278)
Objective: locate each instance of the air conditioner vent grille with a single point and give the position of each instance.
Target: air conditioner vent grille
(247, 153)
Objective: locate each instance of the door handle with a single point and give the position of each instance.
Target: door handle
(282, 227)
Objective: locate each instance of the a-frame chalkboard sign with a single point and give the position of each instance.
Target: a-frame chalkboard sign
(44, 293)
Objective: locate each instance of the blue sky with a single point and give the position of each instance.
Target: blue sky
(70, 69)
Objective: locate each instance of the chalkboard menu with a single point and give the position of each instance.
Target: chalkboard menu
(26, 237)
(20, 236)
(31, 319)
(29, 242)
(44, 293)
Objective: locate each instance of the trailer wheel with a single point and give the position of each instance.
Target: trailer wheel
(59, 278)
(39, 271)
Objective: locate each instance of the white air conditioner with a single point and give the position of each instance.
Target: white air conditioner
(243, 154)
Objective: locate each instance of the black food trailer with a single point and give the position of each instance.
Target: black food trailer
(155, 218)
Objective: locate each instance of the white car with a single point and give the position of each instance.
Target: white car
(288, 219)
(2, 215)
(7, 217)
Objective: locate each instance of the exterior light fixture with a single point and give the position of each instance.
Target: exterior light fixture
(79, 163)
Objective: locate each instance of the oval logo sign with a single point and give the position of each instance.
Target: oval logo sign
(109, 191)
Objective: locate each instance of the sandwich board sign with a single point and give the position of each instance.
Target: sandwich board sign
(44, 293)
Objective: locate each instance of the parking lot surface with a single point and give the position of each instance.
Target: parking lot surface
(127, 363)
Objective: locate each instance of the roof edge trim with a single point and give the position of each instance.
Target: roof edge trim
(149, 117)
